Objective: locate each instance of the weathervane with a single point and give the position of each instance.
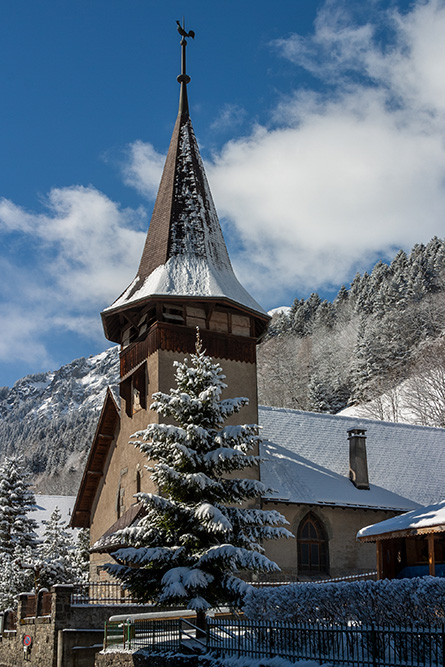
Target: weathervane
(183, 78)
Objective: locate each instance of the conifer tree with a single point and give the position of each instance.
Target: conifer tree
(81, 556)
(55, 559)
(196, 536)
(17, 528)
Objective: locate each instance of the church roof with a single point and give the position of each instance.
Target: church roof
(185, 254)
(307, 460)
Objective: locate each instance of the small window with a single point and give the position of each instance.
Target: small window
(138, 481)
(174, 314)
(134, 390)
(312, 546)
(128, 336)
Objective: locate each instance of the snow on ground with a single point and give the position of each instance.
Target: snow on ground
(265, 662)
(211, 661)
(391, 406)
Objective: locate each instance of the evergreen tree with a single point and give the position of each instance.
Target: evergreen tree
(81, 556)
(55, 556)
(196, 536)
(13, 580)
(17, 528)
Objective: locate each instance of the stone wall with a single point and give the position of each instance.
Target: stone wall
(69, 636)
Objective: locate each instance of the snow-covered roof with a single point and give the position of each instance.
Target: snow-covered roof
(430, 517)
(188, 276)
(45, 506)
(308, 460)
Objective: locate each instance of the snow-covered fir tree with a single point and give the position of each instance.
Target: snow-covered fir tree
(55, 562)
(13, 580)
(197, 537)
(17, 500)
(80, 558)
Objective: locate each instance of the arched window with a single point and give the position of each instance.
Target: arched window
(312, 546)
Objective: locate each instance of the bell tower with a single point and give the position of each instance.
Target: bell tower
(185, 280)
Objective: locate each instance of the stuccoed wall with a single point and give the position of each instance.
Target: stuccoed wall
(346, 555)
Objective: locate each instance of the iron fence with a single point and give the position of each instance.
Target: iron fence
(348, 644)
(102, 592)
(150, 634)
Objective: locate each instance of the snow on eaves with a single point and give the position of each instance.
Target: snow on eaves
(425, 517)
(189, 276)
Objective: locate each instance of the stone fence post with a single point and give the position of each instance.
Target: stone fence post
(61, 605)
(22, 606)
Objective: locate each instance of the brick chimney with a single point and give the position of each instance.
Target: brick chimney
(358, 464)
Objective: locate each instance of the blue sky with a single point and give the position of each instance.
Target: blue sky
(321, 124)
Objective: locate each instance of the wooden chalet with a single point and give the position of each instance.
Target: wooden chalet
(410, 545)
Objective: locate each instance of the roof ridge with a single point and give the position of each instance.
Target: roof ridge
(327, 415)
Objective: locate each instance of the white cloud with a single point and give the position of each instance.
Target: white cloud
(75, 259)
(230, 116)
(346, 172)
(143, 168)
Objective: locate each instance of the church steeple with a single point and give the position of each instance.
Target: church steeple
(185, 256)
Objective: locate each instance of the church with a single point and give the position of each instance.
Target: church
(330, 476)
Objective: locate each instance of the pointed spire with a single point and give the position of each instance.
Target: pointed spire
(185, 253)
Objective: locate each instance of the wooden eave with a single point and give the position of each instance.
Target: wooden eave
(406, 532)
(111, 319)
(94, 468)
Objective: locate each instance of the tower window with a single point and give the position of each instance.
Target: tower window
(174, 314)
(128, 336)
(312, 546)
(134, 390)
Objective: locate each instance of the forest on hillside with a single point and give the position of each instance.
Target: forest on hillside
(380, 344)
(383, 332)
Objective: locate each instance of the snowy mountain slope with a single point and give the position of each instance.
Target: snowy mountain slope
(50, 418)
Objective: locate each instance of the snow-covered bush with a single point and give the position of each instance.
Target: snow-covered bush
(196, 535)
(420, 600)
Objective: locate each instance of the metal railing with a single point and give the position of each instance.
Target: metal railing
(150, 634)
(347, 644)
(339, 644)
(102, 592)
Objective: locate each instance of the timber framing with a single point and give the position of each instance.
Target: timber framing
(182, 339)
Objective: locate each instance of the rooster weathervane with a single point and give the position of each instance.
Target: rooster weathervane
(183, 32)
